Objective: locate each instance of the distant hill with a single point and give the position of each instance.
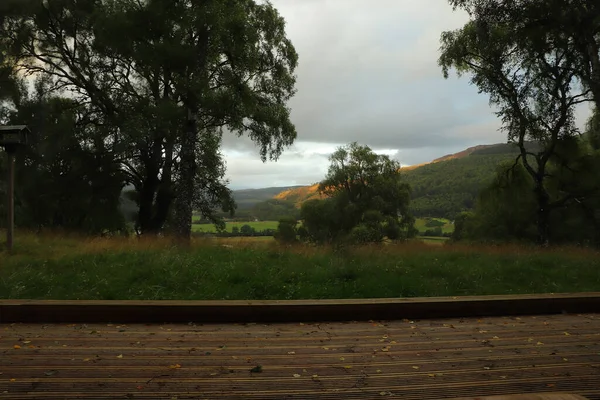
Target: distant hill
(443, 187)
(247, 198)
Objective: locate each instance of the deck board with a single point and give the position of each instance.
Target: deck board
(421, 359)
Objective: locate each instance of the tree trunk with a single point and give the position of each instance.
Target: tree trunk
(185, 187)
(164, 194)
(543, 214)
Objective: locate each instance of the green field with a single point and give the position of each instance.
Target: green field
(121, 268)
(420, 224)
(262, 225)
(259, 226)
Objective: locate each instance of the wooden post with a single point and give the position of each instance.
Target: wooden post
(10, 226)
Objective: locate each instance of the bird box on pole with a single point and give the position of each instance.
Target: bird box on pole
(11, 137)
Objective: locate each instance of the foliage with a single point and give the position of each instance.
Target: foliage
(286, 230)
(366, 201)
(528, 70)
(162, 78)
(64, 177)
(506, 210)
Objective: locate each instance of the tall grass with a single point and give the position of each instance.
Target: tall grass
(71, 267)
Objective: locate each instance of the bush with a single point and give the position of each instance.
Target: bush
(286, 230)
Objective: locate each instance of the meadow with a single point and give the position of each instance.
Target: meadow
(62, 267)
(420, 224)
(257, 225)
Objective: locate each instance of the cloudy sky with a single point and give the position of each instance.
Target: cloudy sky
(368, 73)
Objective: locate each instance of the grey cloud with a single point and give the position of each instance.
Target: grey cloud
(368, 73)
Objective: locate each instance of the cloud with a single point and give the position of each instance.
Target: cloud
(368, 73)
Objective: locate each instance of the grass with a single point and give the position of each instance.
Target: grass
(259, 226)
(51, 267)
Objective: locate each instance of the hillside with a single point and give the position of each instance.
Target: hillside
(247, 198)
(442, 187)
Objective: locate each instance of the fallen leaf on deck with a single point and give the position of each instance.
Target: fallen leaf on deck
(530, 339)
(325, 348)
(431, 375)
(16, 347)
(26, 341)
(31, 346)
(503, 376)
(482, 331)
(567, 334)
(495, 337)
(139, 387)
(378, 371)
(393, 342)
(297, 375)
(86, 359)
(257, 369)
(342, 358)
(315, 376)
(348, 366)
(539, 343)
(291, 352)
(51, 372)
(120, 356)
(415, 367)
(174, 366)
(565, 359)
(13, 380)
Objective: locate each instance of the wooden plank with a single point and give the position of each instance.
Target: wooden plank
(532, 396)
(56, 311)
(473, 358)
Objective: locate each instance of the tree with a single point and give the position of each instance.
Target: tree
(366, 201)
(286, 230)
(247, 230)
(162, 78)
(530, 74)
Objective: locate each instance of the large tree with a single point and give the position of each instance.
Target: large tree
(530, 73)
(366, 199)
(162, 78)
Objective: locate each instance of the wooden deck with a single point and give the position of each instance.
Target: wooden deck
(421, 359)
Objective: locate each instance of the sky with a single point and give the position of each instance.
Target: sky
(368, 73)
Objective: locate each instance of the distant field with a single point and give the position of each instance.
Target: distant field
(259, 226)
(262, 225)
(421, 223)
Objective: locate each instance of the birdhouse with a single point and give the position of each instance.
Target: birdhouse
(13, 135)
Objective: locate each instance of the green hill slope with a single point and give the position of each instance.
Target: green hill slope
(445, 186)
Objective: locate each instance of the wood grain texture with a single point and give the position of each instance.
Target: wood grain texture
(459, 358)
